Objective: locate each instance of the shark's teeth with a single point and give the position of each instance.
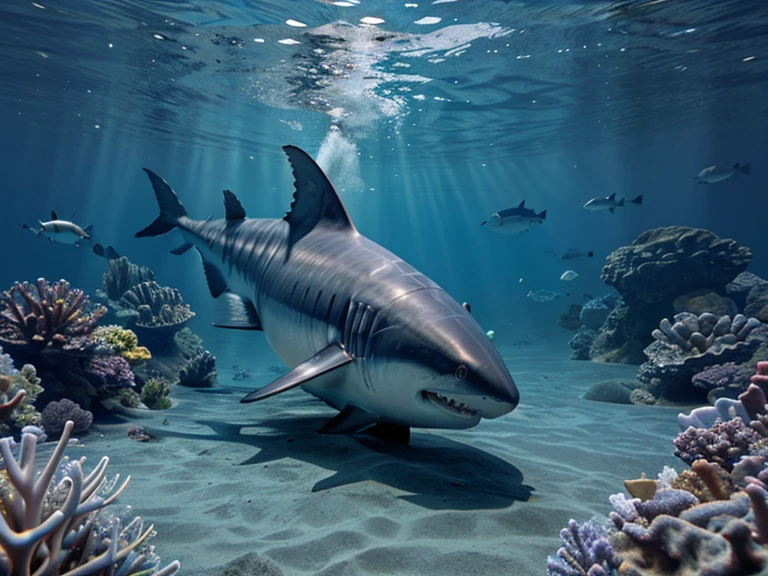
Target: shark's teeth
(449, 404)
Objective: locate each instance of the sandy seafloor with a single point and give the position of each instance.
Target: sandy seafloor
(222, 479)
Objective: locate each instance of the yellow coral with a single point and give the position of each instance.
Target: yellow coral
(136, 355)
(123, 342)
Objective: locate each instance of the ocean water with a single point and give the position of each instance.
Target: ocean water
(428, 117)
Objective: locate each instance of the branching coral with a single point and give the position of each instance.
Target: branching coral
(587, 551)
(52, 522)
(44, 313)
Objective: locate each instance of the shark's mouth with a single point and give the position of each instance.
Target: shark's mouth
(450, 405)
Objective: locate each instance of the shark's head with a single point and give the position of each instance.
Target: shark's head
(447, 372)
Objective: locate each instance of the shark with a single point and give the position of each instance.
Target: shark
(515, 220)
(359, 328)
(64, 231)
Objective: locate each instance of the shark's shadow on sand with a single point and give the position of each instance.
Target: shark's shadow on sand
(439, 473)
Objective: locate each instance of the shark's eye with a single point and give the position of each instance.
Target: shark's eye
(461, 372)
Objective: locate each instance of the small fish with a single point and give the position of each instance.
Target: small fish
(574, 253)
(609, 203)
(515, 220)
(545, 295)
(717, 173)
(64, 231)
(569, 275)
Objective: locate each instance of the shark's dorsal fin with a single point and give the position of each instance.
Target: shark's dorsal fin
(232, 207)
(612, 196)
(315, 200)
(522, 204)
(330, 358)
(217, 284)
(237, 313)
(53, 215)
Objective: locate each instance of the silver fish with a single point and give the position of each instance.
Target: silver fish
(64, 231)
(609, 203)
(718, 173)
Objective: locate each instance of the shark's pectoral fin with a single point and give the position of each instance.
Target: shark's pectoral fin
(314, 199)
(237, 313)
(350, 420)
(217, 284)
(181, 249)
(330, 358)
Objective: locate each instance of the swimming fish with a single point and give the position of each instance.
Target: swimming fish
(717, 173)
(569, 275)
(609, 203)
(574, 253)
(515, 220)
(64, 231)
(361, 329)
(545, 295)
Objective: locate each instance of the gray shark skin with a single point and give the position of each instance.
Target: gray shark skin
(361, 329)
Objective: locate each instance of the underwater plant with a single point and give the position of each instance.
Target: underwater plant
(53, 522)
(42, 313)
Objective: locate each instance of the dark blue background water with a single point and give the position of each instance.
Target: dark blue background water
(554, 129)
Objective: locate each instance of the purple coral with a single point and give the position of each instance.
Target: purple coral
(718, 376)
(587, 551)
(110, 372)
(56, 414)
(41, 313)
(724, 443)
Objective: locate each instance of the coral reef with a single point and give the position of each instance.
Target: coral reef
(723, 444)
(595, 312)
(109, 372)
(188, 343)
(161, 313)
(757, 302)
(692, 343)
(586, 550)
(53, 522)
(121, 341)
(139, 434)
(738, 288)
(154, 394)
(571, 319)
(582, 342)
(57, 414)
(42, 313)
(18, 392)
(122, 275)
(665, 263)
(622, 337)
(199, 371)
(702, 301)
(660, 266)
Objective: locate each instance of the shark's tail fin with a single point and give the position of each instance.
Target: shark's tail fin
(590, 254)
(35, 230)
(542, 215)
(743, 168)
(620, 202)
(638, 200)
(170, 208)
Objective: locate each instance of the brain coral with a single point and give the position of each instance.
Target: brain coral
(665, 263)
